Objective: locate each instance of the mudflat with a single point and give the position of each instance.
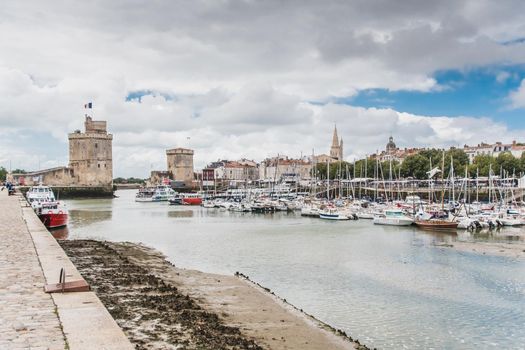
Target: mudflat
(160, 306)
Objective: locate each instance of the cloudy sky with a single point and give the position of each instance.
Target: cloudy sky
(252, 79)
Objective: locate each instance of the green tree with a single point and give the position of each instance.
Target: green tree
(415, 166)
(3, 173)
(482, 164)
(460, 160)
(337, 170)
(19, 171)
(522, 162)
(508, 163)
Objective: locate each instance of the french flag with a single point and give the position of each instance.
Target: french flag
(88, 105)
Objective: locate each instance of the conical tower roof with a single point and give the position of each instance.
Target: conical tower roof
(335, 138)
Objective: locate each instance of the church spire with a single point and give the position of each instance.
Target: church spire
(335, 138)
(336, 150)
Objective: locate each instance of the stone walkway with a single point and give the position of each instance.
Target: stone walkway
(28, 318)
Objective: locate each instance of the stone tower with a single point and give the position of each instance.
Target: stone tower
(180, 165)
(91, 155)
(336, 150)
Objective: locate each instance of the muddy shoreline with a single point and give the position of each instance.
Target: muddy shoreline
(160, 306)
(508, 250)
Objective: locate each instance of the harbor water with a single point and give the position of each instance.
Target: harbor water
(389, 287)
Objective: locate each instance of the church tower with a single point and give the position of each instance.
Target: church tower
(336, 150)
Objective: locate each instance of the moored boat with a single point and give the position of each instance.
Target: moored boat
(51, 212)
(332, 214)
(393, 217)
(437, 225)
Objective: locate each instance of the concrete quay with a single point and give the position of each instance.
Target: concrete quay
(30, 318)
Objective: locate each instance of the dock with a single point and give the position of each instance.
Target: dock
(30, 318)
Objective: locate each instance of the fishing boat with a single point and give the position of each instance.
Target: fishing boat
(51, 212)
(332, 214)
(393, 217)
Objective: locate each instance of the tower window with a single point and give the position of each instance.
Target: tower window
(96, 145)
(99, 165)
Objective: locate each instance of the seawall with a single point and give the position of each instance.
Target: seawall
(31, 318)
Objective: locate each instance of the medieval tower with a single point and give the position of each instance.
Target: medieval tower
(180, 165)
(91, 155)
(336, 150)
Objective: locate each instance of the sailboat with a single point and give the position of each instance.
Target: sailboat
(435, 224)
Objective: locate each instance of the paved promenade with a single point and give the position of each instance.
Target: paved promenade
(28, 319)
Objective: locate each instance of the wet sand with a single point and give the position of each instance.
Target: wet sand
(160, 306)
(510, 250)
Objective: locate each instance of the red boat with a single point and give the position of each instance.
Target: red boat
(191, 199)
(51, 212)
(52, 215)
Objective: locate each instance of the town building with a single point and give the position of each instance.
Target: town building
(285, 169)
(494, 150)
(230, 173)
(394, 153)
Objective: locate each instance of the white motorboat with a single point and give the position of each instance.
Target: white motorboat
(365, 214)
(393, 217)
(332, 214)
(310, 210)
(161, 193)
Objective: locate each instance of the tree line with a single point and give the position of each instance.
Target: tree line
(416, 166)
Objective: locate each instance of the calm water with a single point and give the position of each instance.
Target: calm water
(387, 286)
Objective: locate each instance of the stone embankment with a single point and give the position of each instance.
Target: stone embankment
(30, 318)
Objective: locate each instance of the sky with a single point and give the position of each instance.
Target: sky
(253, 79)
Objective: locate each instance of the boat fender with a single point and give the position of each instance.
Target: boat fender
(499, 223)
(49, 212)
(478, 225)
(60, 212)
(491, 224)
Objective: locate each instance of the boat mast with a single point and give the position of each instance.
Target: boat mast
(328, 179)
(442, 184)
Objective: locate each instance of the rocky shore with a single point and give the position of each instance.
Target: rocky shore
(160, 306)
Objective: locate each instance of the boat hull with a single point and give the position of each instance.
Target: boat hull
(437, 225)
(54, 220)
(393, 222)
(191, 201)
(333, 217)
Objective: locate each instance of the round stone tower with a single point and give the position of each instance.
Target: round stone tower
(180, 165)
(91, 155)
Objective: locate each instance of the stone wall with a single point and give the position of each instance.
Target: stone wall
(60, 176)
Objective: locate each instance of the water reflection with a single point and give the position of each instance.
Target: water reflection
(389, 286)
(88, 217)
(60, 233)
(180, 213)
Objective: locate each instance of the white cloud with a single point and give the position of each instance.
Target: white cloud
(237, 76)
(517, 97)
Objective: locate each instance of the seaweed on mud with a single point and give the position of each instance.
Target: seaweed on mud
(153, 314)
